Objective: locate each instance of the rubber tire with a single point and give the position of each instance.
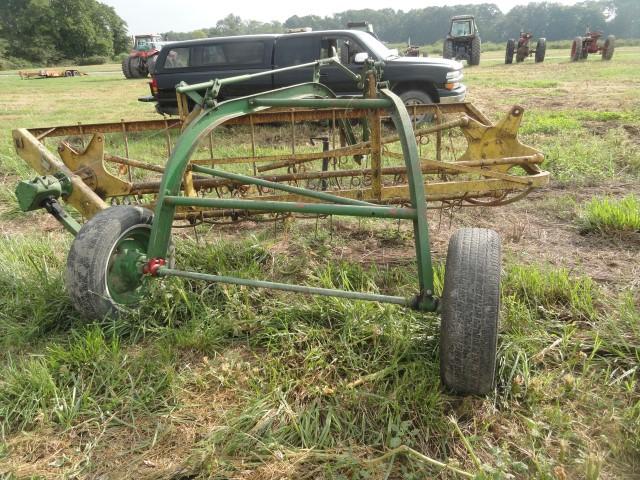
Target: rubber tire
(476, 47)
(470, 312)
(419, 97)
(89, 255)
(541, 49)
(126, 70)
(447, 49)
(576, 49)
(609, 47)
(134, 67)
(510, 50)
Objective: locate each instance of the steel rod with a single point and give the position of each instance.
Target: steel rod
(245, 179)
(296, 207)
(322, 102)
(327, 292)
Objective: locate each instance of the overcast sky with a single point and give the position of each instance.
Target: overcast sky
(156, 16)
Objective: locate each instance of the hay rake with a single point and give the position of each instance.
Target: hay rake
(370, 165)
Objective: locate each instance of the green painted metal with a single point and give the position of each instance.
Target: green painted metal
(44, 192)
(330, 292)
(124, 277)
(402, 122)
(294, 207)
(308, 95)
(32, 194)
(363, 103)
(247, 180)
(197, 130)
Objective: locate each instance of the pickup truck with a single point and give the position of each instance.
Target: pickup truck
(416, 80)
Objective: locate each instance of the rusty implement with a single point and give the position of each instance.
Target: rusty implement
(70, 72)
(297, 151)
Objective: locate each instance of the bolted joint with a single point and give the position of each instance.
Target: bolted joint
(153, 265)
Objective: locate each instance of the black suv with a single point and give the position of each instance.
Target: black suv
(415, 79)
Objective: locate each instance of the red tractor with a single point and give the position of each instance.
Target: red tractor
(523, 50)
(583, 46)
(142, 58)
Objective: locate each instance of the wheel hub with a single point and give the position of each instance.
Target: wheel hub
(124, 270)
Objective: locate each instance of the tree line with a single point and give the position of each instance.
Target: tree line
(428, 25)
(46, 32)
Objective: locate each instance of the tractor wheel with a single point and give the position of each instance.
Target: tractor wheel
(126, 69)
(476, 46)
(609, 47)
(102, 274)
(417, 97)
(511, 48)
(541, 49)
(470, 311)
(447, 49)
(134, 67)
(576, 49)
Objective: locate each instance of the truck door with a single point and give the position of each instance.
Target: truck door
(346, 48)
(294, 50)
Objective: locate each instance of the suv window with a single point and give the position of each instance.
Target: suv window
(228, 54)
(345, 47)
(297, 50)
(177, 58)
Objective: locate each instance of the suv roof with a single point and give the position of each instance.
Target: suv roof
(265, 36)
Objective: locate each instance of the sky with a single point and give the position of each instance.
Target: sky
(157, 16)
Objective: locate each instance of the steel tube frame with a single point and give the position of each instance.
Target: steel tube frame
(330, 292)
(313, 94)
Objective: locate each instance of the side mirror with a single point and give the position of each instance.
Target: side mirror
(360, 57)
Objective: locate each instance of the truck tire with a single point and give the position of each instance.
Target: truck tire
(417, 97)
(126, 70)
(541, 49)
(576, 49)
(609, 47)
(470, 312)
(476, 46)
(447, 49)
(510, 50)
(96, 291)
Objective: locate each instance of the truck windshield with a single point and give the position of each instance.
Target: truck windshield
(375, 45)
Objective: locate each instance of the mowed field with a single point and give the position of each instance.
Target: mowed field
(212, 381)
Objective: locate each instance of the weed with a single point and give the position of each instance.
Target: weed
(608, 215)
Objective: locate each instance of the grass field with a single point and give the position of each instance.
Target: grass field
(212, 381)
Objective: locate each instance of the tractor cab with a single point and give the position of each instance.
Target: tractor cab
(144, 43)
(463, 40)
(462, 26)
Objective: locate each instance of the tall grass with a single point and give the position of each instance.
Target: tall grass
(608, 215)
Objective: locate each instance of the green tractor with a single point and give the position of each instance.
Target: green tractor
(463, 40)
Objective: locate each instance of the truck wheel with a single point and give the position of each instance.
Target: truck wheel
(541, 49)
(609, 47)
(447, 49)
(101, 276)
(126, 70)
(576, 49)
(476, 46)
(417, 97)
(511, 48)
(470, 311)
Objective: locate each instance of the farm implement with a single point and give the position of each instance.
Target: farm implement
(522, 50)
(581, 47)
(51, 74)
(324, 156)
